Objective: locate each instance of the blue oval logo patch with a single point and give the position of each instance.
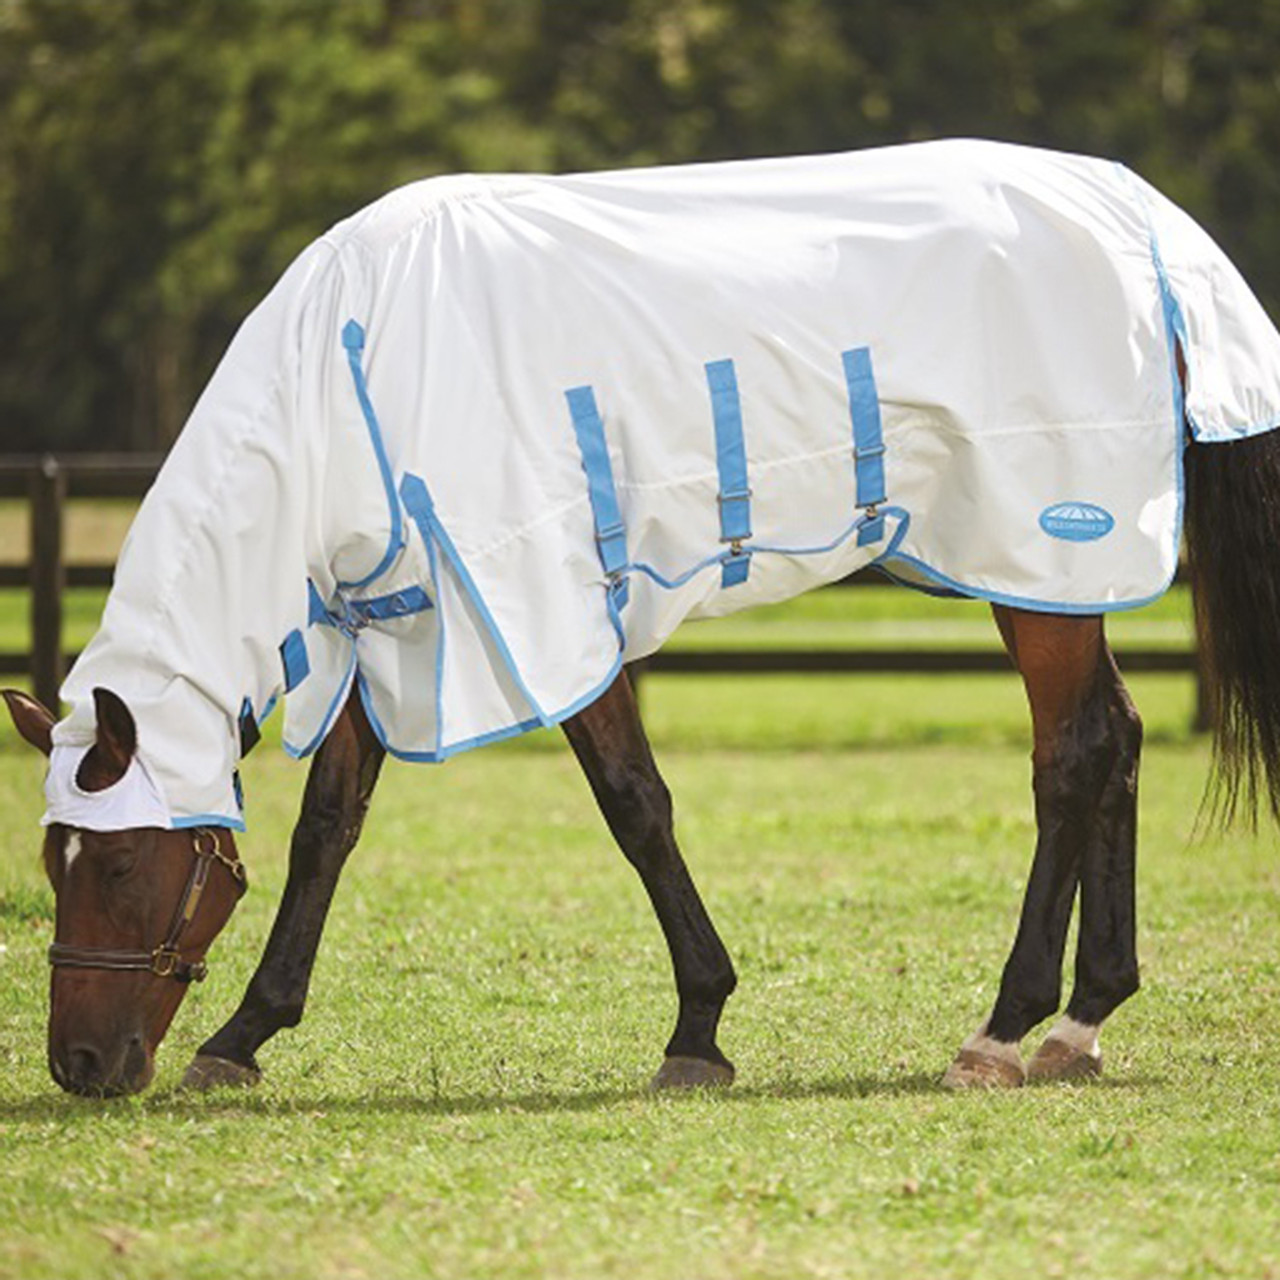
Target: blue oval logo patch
(1077, 521)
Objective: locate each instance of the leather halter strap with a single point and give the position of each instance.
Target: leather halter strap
(165, 960)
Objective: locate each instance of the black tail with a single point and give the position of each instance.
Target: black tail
(1233, 544)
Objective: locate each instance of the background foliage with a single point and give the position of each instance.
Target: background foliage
(160, 163)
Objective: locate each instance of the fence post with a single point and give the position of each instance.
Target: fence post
(48, 577)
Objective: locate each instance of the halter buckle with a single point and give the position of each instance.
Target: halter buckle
(218, 854)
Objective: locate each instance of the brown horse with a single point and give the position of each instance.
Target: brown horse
(278, 547)
(138, 909)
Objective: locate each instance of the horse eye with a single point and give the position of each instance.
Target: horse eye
(122, 866)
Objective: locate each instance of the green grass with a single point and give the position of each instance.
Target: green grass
(466, 1094)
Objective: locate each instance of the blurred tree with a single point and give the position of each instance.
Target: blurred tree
(160, 163)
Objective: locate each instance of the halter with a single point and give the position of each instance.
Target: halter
(165, 961)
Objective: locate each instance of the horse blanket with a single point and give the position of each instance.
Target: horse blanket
(492, 436)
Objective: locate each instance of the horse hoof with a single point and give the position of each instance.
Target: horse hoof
(206, 1072)
(1058, 1060)
(974, 1069)
(692, 1073)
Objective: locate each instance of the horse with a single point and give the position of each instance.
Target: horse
(557, 540)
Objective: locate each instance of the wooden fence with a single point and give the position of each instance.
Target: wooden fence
(48, 483)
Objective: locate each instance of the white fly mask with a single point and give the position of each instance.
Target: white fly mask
(133, 801)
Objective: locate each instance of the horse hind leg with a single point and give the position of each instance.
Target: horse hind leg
(611, 747)
(1085, 768)
(1106, 971)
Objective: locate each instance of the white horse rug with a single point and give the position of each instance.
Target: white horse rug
(492, 436)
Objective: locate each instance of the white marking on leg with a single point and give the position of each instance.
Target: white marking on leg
(1006, 1050)
(1082, 1037)
(72, 851)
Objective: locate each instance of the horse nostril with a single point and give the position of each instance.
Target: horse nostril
(84, 1067)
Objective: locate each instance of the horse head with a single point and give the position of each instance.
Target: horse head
(137, 909)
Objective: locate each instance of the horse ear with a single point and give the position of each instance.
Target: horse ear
(117, 738)
(31, 719)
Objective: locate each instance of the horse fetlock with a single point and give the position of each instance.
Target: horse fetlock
(209, 1072)
(289, 1014)
(1014, 1016)
(270, 1005)
(1103, 998)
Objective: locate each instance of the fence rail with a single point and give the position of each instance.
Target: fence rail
(47, 483)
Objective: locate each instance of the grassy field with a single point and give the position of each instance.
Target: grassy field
(466, 1096)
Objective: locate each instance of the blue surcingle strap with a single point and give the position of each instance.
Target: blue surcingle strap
(868, 440)
(611, 534)
(399, 604)
(357, 614)
(731, 464)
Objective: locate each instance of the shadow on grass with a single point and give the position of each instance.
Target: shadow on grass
(183, 1104)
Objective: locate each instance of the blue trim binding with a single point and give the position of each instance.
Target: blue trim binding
(268, 709)
(441, 754)
(353, 341)
(1016, 602)
(868, 438)
(418, 503)
(734, 498)
(206, 820)
(611, 533)
(339, 697)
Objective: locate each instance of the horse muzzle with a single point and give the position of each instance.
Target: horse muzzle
(93, 1071)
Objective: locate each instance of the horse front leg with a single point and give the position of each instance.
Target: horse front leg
(339, 787)
(1085, 771)
(614, 753)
